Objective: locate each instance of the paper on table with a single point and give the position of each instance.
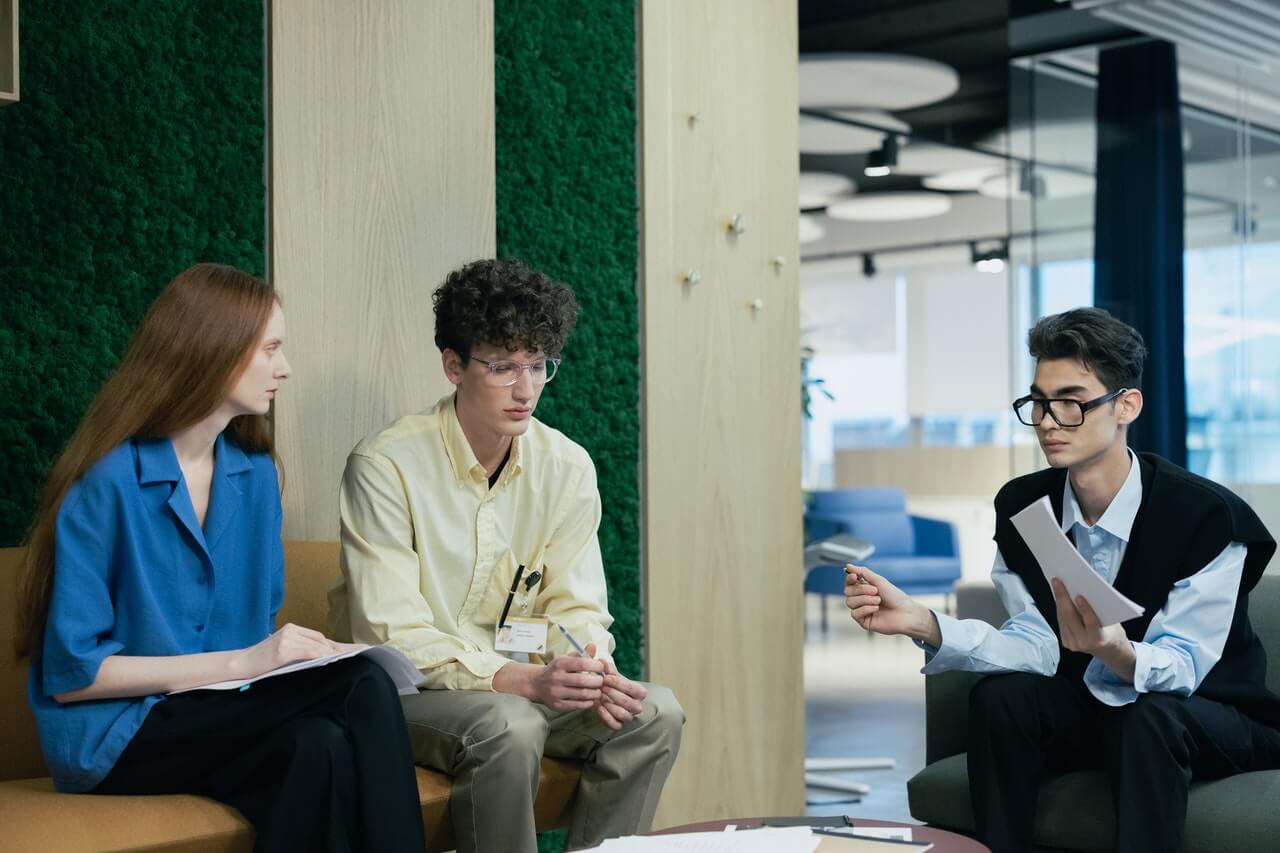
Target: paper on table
(1058, 558)
(403, 673)
(792, 839)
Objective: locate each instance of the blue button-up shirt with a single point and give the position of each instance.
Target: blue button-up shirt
(135, 574)
(1182, 642)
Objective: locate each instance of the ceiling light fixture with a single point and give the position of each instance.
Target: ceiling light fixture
(882, 161)
(991, 258)
(890, 207)
(811, 230)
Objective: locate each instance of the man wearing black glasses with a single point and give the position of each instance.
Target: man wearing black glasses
(1175, 694)
(469, 530)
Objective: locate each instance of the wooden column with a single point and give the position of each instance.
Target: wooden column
(721, 399)
(381, 180)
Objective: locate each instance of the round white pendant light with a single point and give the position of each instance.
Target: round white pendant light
(811, 230)
(817, 189)
(890, 207)
(819, 136)
(880, 81)
(926, 158)
(1040, 184)
(961, 180)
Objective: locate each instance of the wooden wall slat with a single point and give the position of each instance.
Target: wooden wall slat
(382, 180)
(721, 400)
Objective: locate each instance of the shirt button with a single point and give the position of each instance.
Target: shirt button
(199, 629)
(200, 580)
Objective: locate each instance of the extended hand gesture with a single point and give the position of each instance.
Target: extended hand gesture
(879, 606)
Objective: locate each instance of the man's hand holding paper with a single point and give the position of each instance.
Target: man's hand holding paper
(1059, 560)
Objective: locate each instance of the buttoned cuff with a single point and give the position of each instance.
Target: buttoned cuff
(1109, 688)
(956, 648)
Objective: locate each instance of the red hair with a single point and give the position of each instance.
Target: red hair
(184, 358)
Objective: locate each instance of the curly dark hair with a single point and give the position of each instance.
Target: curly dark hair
(1109, 347)
(503, 303)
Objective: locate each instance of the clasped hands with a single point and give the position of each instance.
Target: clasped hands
(574, 682)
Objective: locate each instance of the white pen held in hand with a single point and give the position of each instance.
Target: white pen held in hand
(577, 647)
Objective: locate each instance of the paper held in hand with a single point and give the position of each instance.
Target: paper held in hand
(1058, 558)
(404, 674)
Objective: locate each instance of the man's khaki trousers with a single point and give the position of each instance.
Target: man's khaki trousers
(492, 743)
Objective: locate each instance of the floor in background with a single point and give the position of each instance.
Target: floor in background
(864, 697)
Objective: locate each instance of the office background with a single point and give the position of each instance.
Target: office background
(356, 152)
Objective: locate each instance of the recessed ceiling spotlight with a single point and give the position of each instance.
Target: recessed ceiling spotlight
(989, 257)
(882, 161)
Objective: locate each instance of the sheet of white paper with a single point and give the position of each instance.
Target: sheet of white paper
(1058, 558)
(791, 839)
(403, 674)
(891, 833)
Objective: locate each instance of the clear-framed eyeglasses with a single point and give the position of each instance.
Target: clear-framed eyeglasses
(501, 374)
(1064, 411)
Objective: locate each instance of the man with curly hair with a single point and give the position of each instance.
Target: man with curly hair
(456, 520)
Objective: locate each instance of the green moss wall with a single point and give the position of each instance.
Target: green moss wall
(136, 150)
(565, 118)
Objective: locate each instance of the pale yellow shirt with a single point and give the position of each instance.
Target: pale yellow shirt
(429, 550)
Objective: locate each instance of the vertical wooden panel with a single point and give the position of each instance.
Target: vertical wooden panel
(382, 180)
(722, 399)
(8, 52)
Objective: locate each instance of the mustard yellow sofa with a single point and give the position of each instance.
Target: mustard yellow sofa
(35, 818)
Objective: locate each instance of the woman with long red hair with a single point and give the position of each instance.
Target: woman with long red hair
(155, 564)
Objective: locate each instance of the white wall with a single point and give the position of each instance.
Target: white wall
(958, 341)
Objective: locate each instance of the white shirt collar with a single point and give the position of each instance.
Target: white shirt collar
(1120, 514)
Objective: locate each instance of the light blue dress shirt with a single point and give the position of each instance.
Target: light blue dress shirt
(136, 574)
(1182, 642)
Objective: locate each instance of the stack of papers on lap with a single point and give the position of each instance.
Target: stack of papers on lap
(403, 673)
(1058, 558)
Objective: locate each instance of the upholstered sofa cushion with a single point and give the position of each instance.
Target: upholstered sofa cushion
(36, 819)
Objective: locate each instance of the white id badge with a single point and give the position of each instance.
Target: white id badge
(522, 634)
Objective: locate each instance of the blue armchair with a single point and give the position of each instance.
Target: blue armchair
(920, 555)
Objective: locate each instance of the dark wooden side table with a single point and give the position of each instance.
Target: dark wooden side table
(942, 840)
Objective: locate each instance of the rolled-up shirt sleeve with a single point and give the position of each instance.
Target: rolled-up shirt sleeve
(81, 612)
(382, 573)
(1024, 643)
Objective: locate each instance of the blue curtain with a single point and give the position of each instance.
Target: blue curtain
(1138, 228)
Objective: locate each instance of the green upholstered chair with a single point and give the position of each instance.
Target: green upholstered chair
(1231, 815)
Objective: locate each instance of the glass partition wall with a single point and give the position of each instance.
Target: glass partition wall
(1231, 150)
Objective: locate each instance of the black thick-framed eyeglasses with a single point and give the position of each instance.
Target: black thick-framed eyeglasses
(1064, 411)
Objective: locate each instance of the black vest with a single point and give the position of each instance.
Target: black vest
(1183, 523)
